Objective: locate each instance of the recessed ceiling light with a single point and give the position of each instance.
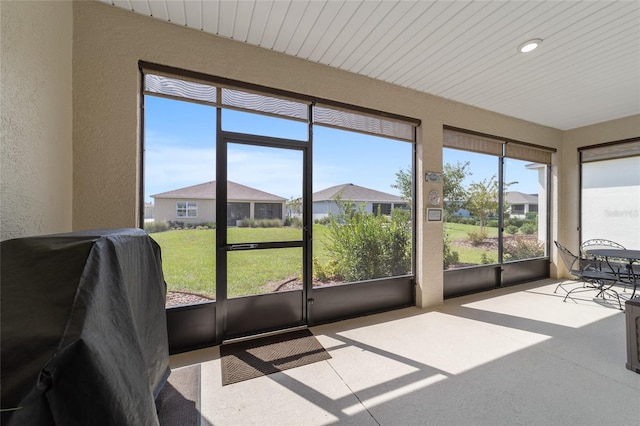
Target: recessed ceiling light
(529, 45)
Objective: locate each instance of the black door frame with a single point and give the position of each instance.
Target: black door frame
(247, 315)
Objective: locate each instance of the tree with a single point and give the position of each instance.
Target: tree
(294, 205)
(453, 190)
(404, 183)
(483, 199)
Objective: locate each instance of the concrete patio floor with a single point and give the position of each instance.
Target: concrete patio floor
(517, 355)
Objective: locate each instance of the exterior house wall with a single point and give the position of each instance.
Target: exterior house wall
(166, 210)
(322, 209)
(36, 119)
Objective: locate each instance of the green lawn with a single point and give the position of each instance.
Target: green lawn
(458, 231)
(188, 259)
(470, 255)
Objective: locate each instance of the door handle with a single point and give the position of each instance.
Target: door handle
(242, 246)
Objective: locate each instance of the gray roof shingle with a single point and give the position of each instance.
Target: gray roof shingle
(207, 191)
(515, 197)
(351, 192)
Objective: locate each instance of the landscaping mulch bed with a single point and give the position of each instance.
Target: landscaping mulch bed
(179, 298)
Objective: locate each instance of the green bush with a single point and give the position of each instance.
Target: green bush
(515, 221)
(493, 223)
(260, 223)
(450, 256)
(529, 229)
(326, 272)
(159, 226)
(486, 260)
(323, 221)
(511, 229)
(295, 222)
(477, 237)
(520, 248)
(532, 216)
(366, 246)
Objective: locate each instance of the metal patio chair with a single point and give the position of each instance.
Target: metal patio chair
(587, 272)
(617, 266)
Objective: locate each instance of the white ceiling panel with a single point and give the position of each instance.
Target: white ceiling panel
(586, 71)
(176, 12)
(157, 9)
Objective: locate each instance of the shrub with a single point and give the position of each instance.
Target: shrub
(260, 223)
(176, 224)
(366, 246)
(328, 271)
(323, 221)
(532, 216)
(493, 223)
(511, 229)
(529, 229)
(520, 248)
(486, 260)
(296, 222)
(477, 237)
(247, 223)
(159, 226)
(515, 221)
(450, 256)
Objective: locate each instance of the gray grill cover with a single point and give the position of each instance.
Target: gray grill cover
(84, 336)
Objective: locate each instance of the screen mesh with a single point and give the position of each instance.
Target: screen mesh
(193, 89)
(265, 104)
(470, 142)
(380, 126)
(527, 153)
(610, 151)
(162, 85)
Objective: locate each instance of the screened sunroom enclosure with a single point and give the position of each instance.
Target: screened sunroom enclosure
(496, 212)
(231, 171)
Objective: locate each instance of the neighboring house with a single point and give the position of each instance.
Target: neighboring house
(148, 211)
(520, 204)
(324, 202)
(197, 204)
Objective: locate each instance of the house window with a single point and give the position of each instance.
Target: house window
(237, 211)
(186, 209)
(268, 211)
(382, 208)
(491, 177)
(517, 209)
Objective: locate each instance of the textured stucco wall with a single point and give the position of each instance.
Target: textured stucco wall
(36, 111)
(108, 42)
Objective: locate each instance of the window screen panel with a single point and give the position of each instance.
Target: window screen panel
(265, 104)
(369, 124)
(528, 153)
(610, 151)
(471, 142)
(179, 88)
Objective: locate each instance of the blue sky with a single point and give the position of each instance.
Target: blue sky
(180, 151)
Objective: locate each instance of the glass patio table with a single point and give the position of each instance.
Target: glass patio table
(629, 276)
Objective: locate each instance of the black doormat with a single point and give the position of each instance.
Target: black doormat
(267, 355)
(178, 403)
